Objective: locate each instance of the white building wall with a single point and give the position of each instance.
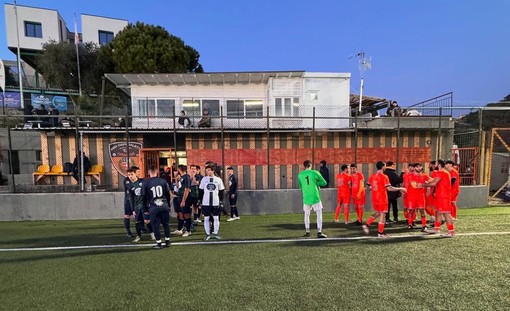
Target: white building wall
(91, 25)
(49, 20)
(327, 92)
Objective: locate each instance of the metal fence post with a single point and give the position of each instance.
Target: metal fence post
(398, 143)
(11, 165)
(268, 147)
(439, 133)
(355, 136)
(175, 139)
(222, 139)
(313, 136)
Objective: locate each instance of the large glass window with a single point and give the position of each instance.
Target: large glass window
(254, 108)
(105, 37)
(235, 109)
(287, 106)
(33, 29)
(192, 108)
(195, 107)
(165, 107)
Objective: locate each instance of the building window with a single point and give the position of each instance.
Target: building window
(250, 108)
(105, 37)
(287, 107)
(33, 29)
(195, 107)
(155, 107)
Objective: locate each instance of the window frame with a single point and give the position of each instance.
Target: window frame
(107, 33)
(245, 113)
(34, 28)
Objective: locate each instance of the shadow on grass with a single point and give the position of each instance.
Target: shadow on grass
(64, 254)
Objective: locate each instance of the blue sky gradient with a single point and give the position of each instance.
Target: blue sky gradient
(418, 49)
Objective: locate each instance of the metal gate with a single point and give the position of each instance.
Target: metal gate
(467, 161)
(500, 142)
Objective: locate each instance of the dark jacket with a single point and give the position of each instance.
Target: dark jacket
(395, 181)
(325, 173)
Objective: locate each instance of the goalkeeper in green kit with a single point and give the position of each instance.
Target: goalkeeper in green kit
(309, 182)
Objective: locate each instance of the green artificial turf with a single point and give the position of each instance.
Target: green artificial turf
(468, 272)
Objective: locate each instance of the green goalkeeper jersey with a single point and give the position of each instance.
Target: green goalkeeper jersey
(309, 182)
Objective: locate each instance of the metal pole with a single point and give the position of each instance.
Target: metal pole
(127, 137)
(20, 69)
(356, 136)
(222, 144)
(82, 165)
(313, 137)
(101, 106)
(398, 142)
(268, 148)
(11, 166)
(360, 93)
(175, 139)
(439, 133)
(480, 146)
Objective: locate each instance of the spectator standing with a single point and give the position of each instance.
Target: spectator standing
(232, 194)
(324, 172)
(395, 181)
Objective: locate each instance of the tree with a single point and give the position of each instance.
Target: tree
(58, 65)
(142, 48)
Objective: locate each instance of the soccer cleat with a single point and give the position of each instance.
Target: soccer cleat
(129, 235)
(382, 235)
(137, 239)
(231, 219)
(365, 229)
(448, 235)
(424, 229)
(237, 218)
(198, 221)
(357, 223)
(307, 235)
(216, 236)
(167, 243)
(336, 220)
(157, 246)
(177, 232)
(186, 234)
(321, 235)
(153, 237)
(409, 227)
(346, 222)
(207, 238)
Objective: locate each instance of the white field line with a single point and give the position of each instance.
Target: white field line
(224, 242)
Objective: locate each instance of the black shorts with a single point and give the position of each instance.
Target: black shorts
(141, 216)
(186, 209)
(193, 201)
(210, 210)
(232, 201)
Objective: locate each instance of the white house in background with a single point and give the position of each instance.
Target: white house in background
(243, 98)
(38, 26)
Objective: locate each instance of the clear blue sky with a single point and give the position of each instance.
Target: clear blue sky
(419, 48)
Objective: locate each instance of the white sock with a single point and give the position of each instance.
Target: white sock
(307, 220)
(216, 224)
(319, 220)
(207, 225)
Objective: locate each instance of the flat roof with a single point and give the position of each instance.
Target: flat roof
(125, 81)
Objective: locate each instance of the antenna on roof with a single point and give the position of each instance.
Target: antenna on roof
(364, 65)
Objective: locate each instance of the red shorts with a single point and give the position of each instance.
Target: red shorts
(416, 202)
(443, 205)
(430, 201)
(344, 198)
(359, 202)
(380, 207)
(455, 196)
(405, 200)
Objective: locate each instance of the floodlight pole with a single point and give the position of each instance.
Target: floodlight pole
(20, 69)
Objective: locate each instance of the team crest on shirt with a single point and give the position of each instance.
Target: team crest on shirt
(211, 187)
(119, 155)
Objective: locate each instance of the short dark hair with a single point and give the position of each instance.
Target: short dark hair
(230, 168)
(131, 170)
(323, 162)
(353, 165)
(410, 165)
(450, 162)
(307, 163)
(211, 167)
(417, 164)
(440, 162)
(343, 167)
(379, 165)
(389, 163)
(153, 169)
(182, 167)
(198, 167)
(136, 168)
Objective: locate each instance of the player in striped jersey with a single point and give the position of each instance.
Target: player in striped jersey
(211, 191)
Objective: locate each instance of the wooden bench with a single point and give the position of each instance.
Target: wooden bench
(44, 171)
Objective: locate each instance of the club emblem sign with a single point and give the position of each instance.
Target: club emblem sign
(119, 155)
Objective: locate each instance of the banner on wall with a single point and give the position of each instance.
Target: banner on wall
(10, 100)
(59, 102)
(119, 155)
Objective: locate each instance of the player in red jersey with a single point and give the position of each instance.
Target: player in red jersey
(417, 195)
(358, 192)
(343, 182)
(380, 184)
(430, 204)
(406, 183)
(443, 194)
(450, 167)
